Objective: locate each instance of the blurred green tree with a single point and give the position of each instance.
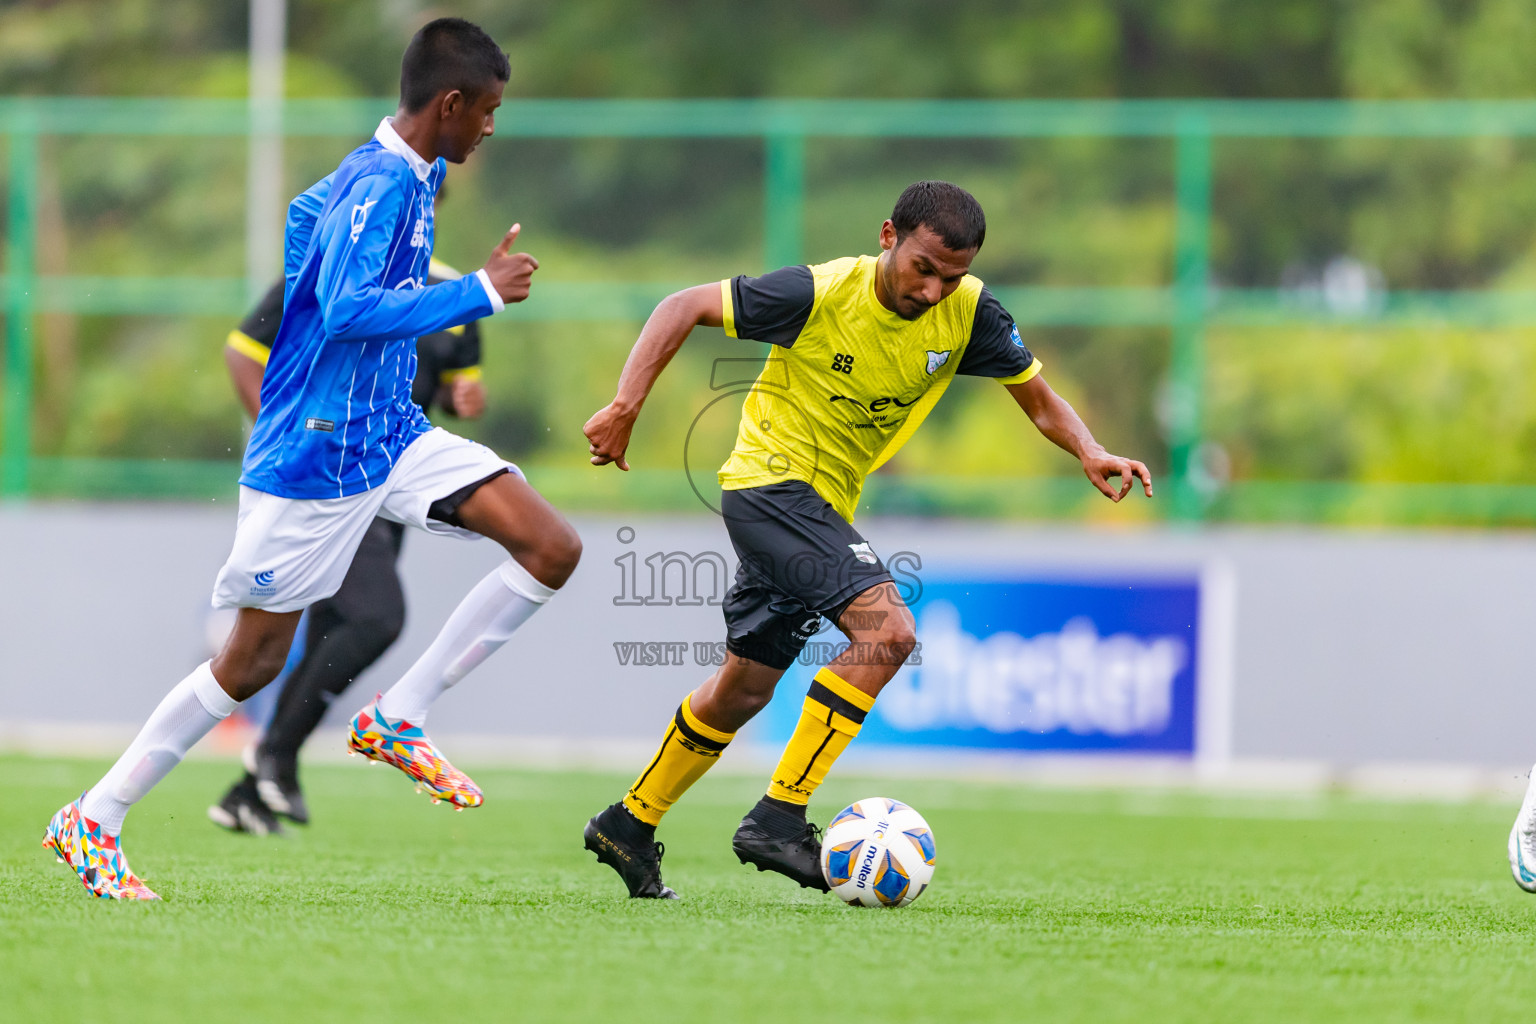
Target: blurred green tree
(1358, 404)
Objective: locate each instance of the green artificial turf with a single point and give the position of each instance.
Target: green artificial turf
(1047, 905)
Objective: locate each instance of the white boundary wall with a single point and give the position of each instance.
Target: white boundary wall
(1383, 659)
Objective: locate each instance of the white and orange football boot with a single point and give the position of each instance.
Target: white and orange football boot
(96, 856)
(407, 747)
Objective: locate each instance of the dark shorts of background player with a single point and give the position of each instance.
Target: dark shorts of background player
(796, 563)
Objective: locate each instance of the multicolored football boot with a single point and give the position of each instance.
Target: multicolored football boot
(95, 856)
(407, 747)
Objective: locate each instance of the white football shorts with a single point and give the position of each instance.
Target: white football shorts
(291, 552)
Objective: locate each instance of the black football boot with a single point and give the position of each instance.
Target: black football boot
(777, 839)
(622, 842)
(241, 810)
(277, 782)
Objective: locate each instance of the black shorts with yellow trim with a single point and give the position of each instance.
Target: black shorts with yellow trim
(798, 561)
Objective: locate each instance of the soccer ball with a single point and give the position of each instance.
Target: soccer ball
(878, 853)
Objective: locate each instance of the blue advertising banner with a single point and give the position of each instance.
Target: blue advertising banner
(1047, 664)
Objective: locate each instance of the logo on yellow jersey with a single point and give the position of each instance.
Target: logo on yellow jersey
(936, 360)
(878, 405)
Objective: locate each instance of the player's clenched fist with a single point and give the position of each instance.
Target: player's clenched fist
(511, 273)
(608, 435)
(467, 396)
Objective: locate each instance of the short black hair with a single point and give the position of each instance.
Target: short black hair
(449, 53)
(949, 211)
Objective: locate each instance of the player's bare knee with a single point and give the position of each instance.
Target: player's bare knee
(569, 551)
(749, 701)
(244, 674)
(742, 695)
(267, 663)
(897, 638)
(555, 558)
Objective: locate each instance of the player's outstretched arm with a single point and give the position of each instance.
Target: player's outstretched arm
(664, 333)
(1054, 417)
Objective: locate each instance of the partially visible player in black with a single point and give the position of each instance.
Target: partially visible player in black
(353, 629)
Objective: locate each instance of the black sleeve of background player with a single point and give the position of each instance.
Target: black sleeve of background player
(774, 307)
(466, 349)
(430, 350)
(995, 348)
(260, 324)
(441, 352)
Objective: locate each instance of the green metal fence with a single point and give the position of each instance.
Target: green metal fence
(1187, 307)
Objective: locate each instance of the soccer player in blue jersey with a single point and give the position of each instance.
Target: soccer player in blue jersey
(339, 442)
(350, 630)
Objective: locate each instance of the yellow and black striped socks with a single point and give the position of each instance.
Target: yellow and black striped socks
(833, 713)
(689, 749)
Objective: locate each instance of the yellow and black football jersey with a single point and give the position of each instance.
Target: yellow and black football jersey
(848, 381)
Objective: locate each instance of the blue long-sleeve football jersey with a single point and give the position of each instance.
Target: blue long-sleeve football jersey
(303, 214)
(336, 409)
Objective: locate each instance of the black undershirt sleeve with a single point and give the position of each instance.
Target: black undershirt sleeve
(443, 352)
(995, 348)
(772, 308)
(430, 349)
(467, 351)
(260, 324)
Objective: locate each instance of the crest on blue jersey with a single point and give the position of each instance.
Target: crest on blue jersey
(360, 216)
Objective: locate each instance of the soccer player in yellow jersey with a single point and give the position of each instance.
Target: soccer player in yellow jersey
(863, 349)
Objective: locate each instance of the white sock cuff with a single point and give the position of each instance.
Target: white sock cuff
(520, 581)
(210, 694)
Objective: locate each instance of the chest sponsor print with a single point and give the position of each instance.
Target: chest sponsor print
(879, 410)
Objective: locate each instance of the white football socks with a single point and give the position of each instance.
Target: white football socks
(482, 622)
(188, 712)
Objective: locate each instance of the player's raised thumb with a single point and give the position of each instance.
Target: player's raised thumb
(506, 243)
